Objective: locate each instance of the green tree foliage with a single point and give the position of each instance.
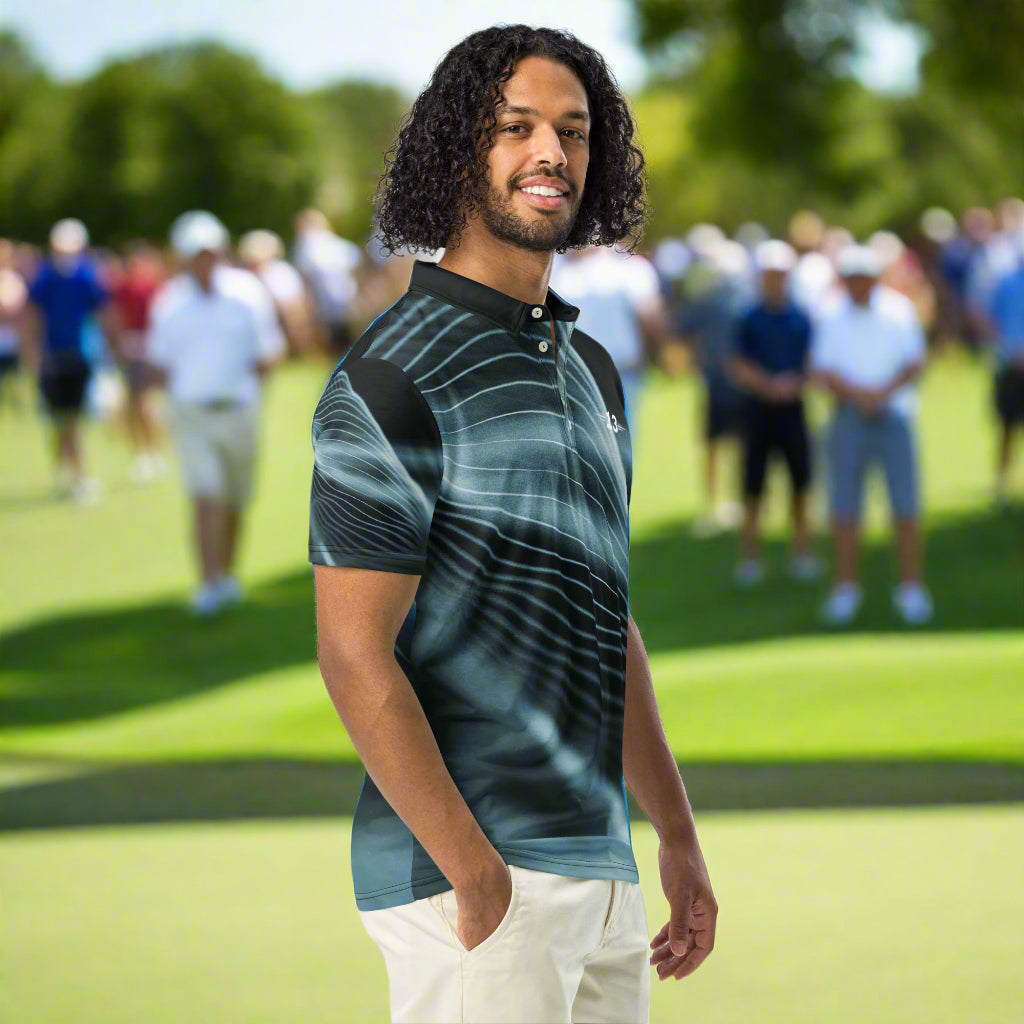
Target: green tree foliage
(358, 122)
(774, 120)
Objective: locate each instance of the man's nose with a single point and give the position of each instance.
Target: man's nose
(547, 147)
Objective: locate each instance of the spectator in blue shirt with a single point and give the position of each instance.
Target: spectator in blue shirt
(64, 296)
(769, 363)
(1007, 313)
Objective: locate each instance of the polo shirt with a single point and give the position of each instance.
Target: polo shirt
(210, 343)
(67, 297)
(868, 346)
(777, 340)
(479, 442)
(1008, 314)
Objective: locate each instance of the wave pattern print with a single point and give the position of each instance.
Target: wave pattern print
(365, 501)
(516, 643)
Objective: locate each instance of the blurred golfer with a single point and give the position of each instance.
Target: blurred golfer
(469, 529)
(63, 298)
(213, 336)
(868, 352)
(1007, 315)
(773, 345)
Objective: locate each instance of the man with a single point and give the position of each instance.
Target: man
(619, 297)
(470, 541)
(13, 296)
(718, 293)
(213, 336)
(262, 252)
(1007, 314)
(133, 293)
(63, 298)
(868, 352)
(329, 264)
(773, 344)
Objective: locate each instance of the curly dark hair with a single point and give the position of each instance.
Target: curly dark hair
(435, 173)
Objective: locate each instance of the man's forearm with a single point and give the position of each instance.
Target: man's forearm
(648, 765)
(382, 715)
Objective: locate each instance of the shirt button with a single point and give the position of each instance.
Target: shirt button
(537, 312)
(543, 346)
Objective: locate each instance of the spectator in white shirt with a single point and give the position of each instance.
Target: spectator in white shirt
(620, 302)
(329, 264)
(868, 352)
(213, 335)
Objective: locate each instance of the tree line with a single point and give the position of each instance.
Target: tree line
(750, 111)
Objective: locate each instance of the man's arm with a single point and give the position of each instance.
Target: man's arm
(30, 332)
(359, 613)
(653, 777)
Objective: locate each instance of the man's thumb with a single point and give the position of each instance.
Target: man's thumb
(679, 930)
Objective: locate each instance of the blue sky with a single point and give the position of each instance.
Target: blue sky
(309, 42)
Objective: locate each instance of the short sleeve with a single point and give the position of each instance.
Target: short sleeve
(158, 338)
(823, 348)
(40, 286)
(96, 294)
(377, 467)
(642, 285)
(806, 336)
(743, 341)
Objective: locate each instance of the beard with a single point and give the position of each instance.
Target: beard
(545, 233)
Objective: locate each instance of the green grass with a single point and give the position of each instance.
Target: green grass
(888, 917)
(120, 712)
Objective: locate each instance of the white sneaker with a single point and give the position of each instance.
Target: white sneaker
(230, 590)
(842, 604)
(913, 604)
(728, 515)
(86, 491)
(705, 526)
(207, 600)
(806, 568)
(748, 573)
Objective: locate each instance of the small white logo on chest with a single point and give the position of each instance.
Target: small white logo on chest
(613, 424)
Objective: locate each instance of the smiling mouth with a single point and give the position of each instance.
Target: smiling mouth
(545, 197)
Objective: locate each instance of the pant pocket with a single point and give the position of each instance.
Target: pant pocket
(447, 906)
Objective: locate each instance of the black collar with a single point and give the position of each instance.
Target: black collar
(504, 310)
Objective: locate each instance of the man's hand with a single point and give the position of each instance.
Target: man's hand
(872, 403)
(787, 387)
(483, 906)
(689, 936)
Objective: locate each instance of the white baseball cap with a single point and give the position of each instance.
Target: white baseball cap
(198, 231)
(68, 237)
(257, 246)
(775, 255)
(858, 261)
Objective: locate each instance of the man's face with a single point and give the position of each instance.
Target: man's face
(860, 287)
(541, 143)
(774, 286)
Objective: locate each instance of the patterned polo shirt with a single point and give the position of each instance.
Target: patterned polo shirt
(480, 443)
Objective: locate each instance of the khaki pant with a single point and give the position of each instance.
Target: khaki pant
(568, 950)
(217, 449)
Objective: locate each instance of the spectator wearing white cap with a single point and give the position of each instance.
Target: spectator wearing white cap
(868, 352)
(770, 364)
(63, 298)
(213, 335)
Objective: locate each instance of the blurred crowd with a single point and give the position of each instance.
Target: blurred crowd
(101, 332)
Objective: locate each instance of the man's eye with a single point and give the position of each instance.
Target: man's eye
(574, 133)
(513, 128)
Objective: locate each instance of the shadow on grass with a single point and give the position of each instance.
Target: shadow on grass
(91, 664)
(256, 789)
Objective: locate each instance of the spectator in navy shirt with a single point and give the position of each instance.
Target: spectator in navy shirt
(773, 343)
(62, 298)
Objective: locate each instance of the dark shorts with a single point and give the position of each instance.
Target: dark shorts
(8, 363)
(64, 381)
(775, 429)
(723, 413)
(1010, 396)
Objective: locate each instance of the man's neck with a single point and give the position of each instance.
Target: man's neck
(500, 265)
